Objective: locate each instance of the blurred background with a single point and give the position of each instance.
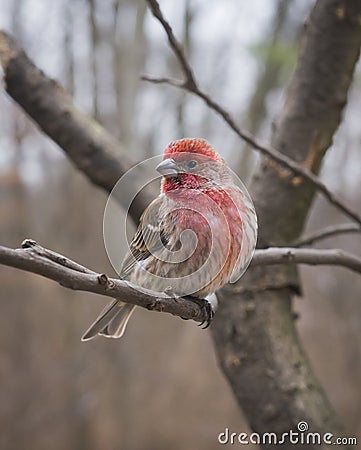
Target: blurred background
(159, 387)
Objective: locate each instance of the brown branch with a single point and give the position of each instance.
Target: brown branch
(175, 44)
(191, 85)
(314, 257)
(36, 259)
(32, 257)
(327, 232)
(91, 148)
(164, 80)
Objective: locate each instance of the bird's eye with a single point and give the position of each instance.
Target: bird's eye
(191, 164)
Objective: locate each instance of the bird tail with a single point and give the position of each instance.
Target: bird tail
(111, 322)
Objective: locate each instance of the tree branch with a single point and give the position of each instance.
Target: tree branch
(91, 148)
(280, 255)
(34, 258)
(175, 45)
(191, 85)
(327, 232)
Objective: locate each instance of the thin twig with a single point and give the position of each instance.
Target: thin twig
(164, 80)
(191, 85)
(174, 43)
(327, 232)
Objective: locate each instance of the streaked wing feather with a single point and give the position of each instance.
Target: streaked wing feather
(149, 237)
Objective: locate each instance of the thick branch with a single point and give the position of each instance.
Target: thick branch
(191, 85)
(91, 148)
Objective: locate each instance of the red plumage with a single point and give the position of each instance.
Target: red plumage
(197, 235)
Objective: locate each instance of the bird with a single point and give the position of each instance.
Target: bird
(197, 235)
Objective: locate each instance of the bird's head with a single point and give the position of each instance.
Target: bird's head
(192, 164)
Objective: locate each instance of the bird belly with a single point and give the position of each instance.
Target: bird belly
(185, 269)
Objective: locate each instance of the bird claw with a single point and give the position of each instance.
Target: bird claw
(206, 309)
(205, 306)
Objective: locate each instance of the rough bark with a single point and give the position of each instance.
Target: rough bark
(254, 333)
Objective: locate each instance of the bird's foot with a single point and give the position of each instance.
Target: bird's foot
(206, 306)
(207, 310)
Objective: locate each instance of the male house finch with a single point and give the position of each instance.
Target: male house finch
(197, 235)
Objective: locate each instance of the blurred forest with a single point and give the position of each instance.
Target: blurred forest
(151, 389)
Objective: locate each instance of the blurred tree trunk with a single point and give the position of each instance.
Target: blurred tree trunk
(129, 59)
(94, 67)
(267, 80)
(254, 331)
(187, 47)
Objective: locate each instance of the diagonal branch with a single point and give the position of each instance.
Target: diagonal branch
(175, 45)
(191, 85)
(89, 146)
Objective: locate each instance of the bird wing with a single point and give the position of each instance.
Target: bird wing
(149, 237)
(249, 239)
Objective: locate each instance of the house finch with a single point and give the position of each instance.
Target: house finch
(197, 235)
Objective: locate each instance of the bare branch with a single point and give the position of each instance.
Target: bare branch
(190, 84)
(91, 148)
(334, 257)
(36, 259)
(327, 232)
(174, 43)
(164, 80)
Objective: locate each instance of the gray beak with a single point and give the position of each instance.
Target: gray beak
(168, 167)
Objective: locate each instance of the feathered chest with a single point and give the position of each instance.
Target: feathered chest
(209, 213)
(190, 241)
